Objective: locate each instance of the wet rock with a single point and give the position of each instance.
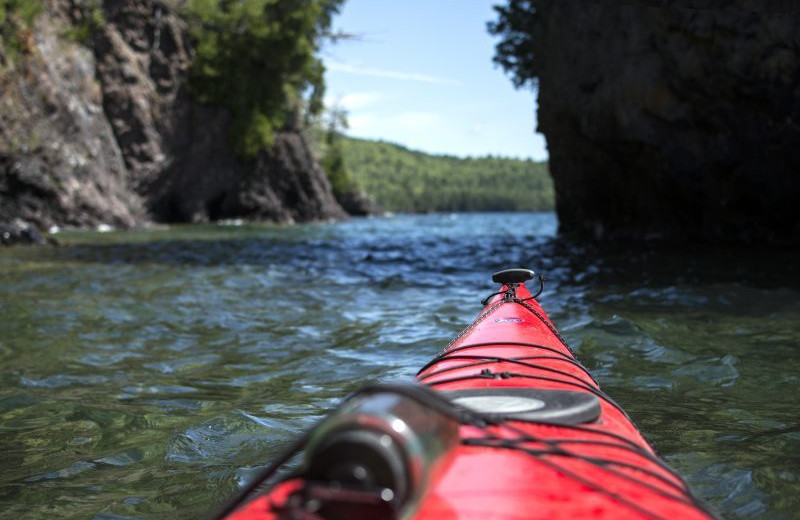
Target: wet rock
(20, 232)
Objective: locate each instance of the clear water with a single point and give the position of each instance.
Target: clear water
(147, 374)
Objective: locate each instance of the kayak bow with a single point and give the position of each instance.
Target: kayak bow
(504, 423)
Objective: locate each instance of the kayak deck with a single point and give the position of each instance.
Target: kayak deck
(602, 469)
(557, 448)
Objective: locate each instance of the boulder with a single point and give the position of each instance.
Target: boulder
(19, 231)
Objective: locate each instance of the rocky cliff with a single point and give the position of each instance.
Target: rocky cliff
(672, 119)
(103, 131)
(60, 163)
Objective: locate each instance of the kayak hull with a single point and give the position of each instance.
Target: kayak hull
(591, 463)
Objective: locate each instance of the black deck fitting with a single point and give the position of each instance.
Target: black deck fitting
(509, 276)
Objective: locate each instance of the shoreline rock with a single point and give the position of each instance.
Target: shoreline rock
(20, 232)
(106, 133)
(359, 204)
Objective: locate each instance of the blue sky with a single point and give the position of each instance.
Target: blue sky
(421, 75)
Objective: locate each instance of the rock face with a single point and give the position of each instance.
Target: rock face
(357, 202)
(672, 122)
(19, 231)
(262, 190)
(177, 151)
(59, 160)
(106, 133)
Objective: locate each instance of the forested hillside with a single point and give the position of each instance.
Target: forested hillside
(406, 180)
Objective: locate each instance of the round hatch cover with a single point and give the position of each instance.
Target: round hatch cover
(529, 404)
(502, 404)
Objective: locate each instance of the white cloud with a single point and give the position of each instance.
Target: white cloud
(389, 74)
(360, 123)
(356, 100)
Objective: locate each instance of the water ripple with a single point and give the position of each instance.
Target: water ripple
(147, 374)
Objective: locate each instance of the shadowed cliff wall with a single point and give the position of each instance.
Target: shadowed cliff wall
(672, 120)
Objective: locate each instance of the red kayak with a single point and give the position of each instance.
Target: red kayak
(504, 423)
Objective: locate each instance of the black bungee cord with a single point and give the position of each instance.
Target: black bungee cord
(465, 416)
(425, 395)
(242, 495)
(420, 393)
(541, 279)
(510, 292)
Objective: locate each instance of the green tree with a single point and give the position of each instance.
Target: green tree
(333, 161)
(406, 180)
(258, 58)
(515, 25)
